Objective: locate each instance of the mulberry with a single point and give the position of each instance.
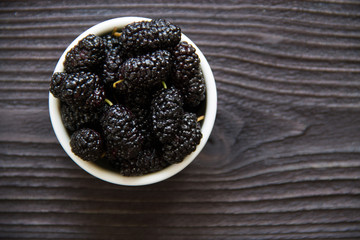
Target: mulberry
(121, 132)
(87, 144)
(187, 75)
(140, 37)
(194, 90)
(83, 90)
(75, 118)
(111, 42)
(166, 113)
(145, 71)
(111, 67)
(56, 84)
(147, 161)
(185, 141)
(87, 55)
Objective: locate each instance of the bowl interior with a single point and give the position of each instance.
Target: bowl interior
(111, 176)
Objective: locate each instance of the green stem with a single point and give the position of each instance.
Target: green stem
(200, 118)
(117, 82)
(108, 102)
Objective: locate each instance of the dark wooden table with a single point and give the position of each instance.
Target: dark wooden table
(283, 160)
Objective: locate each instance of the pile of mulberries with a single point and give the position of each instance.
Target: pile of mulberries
(132, 99)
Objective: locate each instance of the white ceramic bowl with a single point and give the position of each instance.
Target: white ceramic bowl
(111, 176)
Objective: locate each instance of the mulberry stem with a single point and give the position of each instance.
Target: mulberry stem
(117, 82)
(200, 118)
(117, 34)
(108, 102)
(164, 84)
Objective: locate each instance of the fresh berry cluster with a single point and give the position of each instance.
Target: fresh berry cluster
(130, 98)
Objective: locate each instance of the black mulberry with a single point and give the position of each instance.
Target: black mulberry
(87, 55)
(56, 84)
(186, 61)
(166, 113)
(185, 141)
(111, 67)
(145, 71)
(87, 144)
(114, 57)
(75, 118)
(147, 161)
(187, 75)
(83, 90)
(121, 132)
(194, 90)
(111, 42)
(140, 37)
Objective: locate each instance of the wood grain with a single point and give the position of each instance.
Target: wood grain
(283, 160)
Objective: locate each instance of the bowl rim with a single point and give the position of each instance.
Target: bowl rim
(111, 176)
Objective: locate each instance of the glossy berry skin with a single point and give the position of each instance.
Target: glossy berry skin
(145, 71)
(194, 90)
(114, 57)
(186, 61)
(56, 84)
(75, 118)
(166, 113)
(111, 42)
(122, 135)
(87, 55)
(187, 75)
(185, 141)
(147, 36)
(111, 67)
(147, 161)
(87, 144)
(83, 90)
